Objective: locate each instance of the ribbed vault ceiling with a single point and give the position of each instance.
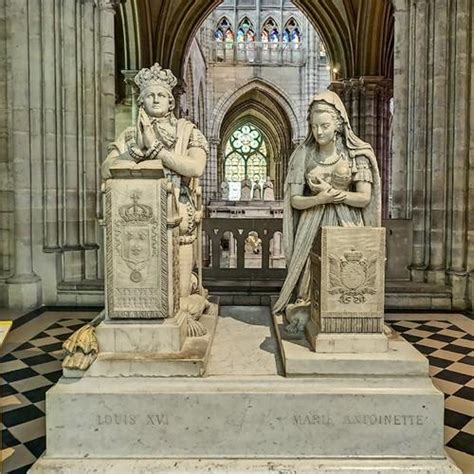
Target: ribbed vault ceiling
(358, 33)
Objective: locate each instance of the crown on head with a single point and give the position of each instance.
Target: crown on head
(155, 75)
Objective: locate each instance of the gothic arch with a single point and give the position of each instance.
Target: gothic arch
(271, 16)
(358, 35)
(276, 93)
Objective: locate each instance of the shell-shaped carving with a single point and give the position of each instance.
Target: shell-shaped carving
(195, 328)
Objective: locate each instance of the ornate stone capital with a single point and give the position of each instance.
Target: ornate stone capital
(107, 4)
(214, 141)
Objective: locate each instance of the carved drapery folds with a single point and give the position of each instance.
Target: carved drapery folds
(367, 100)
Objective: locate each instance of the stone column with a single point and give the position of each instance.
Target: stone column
(418, 160)
(62, 98)
(399, 170)
(106, 32)
(431, 181)
(367, 100)
(24, 286)
(461, 203)
(210, 181)
(129, 76)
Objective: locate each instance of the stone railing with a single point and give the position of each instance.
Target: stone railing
(290, 54)
(229, 253)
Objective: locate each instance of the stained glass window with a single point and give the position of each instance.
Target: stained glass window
(292, 33)
(270, 32)
(224, 32)
(245, 32)
(245, 156)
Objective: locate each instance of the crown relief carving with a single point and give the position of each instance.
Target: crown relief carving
(155, 76)
(135, 212)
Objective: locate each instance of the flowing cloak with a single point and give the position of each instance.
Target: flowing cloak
(301, 227)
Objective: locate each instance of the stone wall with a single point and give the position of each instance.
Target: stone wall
(433, 140)
(60, 58)
(6, 181)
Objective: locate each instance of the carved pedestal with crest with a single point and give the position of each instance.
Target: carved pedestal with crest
(347, 284)
(142, 270)
(145, 328)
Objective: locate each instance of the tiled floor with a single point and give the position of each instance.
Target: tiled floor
(30, 365)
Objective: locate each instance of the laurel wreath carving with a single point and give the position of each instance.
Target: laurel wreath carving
(352, 277)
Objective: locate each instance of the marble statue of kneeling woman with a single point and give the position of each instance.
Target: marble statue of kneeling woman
(332, 180)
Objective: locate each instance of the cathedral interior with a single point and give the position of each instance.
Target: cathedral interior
(246, 70)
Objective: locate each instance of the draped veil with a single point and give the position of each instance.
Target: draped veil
(298, 241)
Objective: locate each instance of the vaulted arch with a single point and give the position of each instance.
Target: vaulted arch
(277, 95)
(265, 107)
(358, 34)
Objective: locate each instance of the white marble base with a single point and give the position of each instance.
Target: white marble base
(244, 417)
(350, 343)
(168, 335)
(331, 343)
(239, 422)
(238, 466)
(144, 353)
(401, 359)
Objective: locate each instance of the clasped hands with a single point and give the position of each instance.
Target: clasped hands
(154, 148)
(326, 193)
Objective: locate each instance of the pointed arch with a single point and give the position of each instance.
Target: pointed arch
(272, 90)
(223, 30)
(246, 31)
(270, 30)
(291, 32)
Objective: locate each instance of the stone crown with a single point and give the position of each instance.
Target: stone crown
(155, 75)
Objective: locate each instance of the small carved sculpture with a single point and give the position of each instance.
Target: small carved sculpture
(245, 189)
(81, 349)
(257, 191)
(224, 190)
(253, 243)
(332, 180)
(268, 193)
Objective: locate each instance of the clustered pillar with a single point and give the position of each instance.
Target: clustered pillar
(367, 100)
(62, 69)
(433, 112)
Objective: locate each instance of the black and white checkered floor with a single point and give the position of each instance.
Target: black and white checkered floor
(30, 365)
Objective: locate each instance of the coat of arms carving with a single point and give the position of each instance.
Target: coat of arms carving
(136, 236)
(352, 276)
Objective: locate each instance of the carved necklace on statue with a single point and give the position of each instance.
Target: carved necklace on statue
(327, 163)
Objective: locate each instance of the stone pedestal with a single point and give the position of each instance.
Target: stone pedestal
(141, 264)
(24, 292)
(382, 416)
(347, 288)
(151, 349)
